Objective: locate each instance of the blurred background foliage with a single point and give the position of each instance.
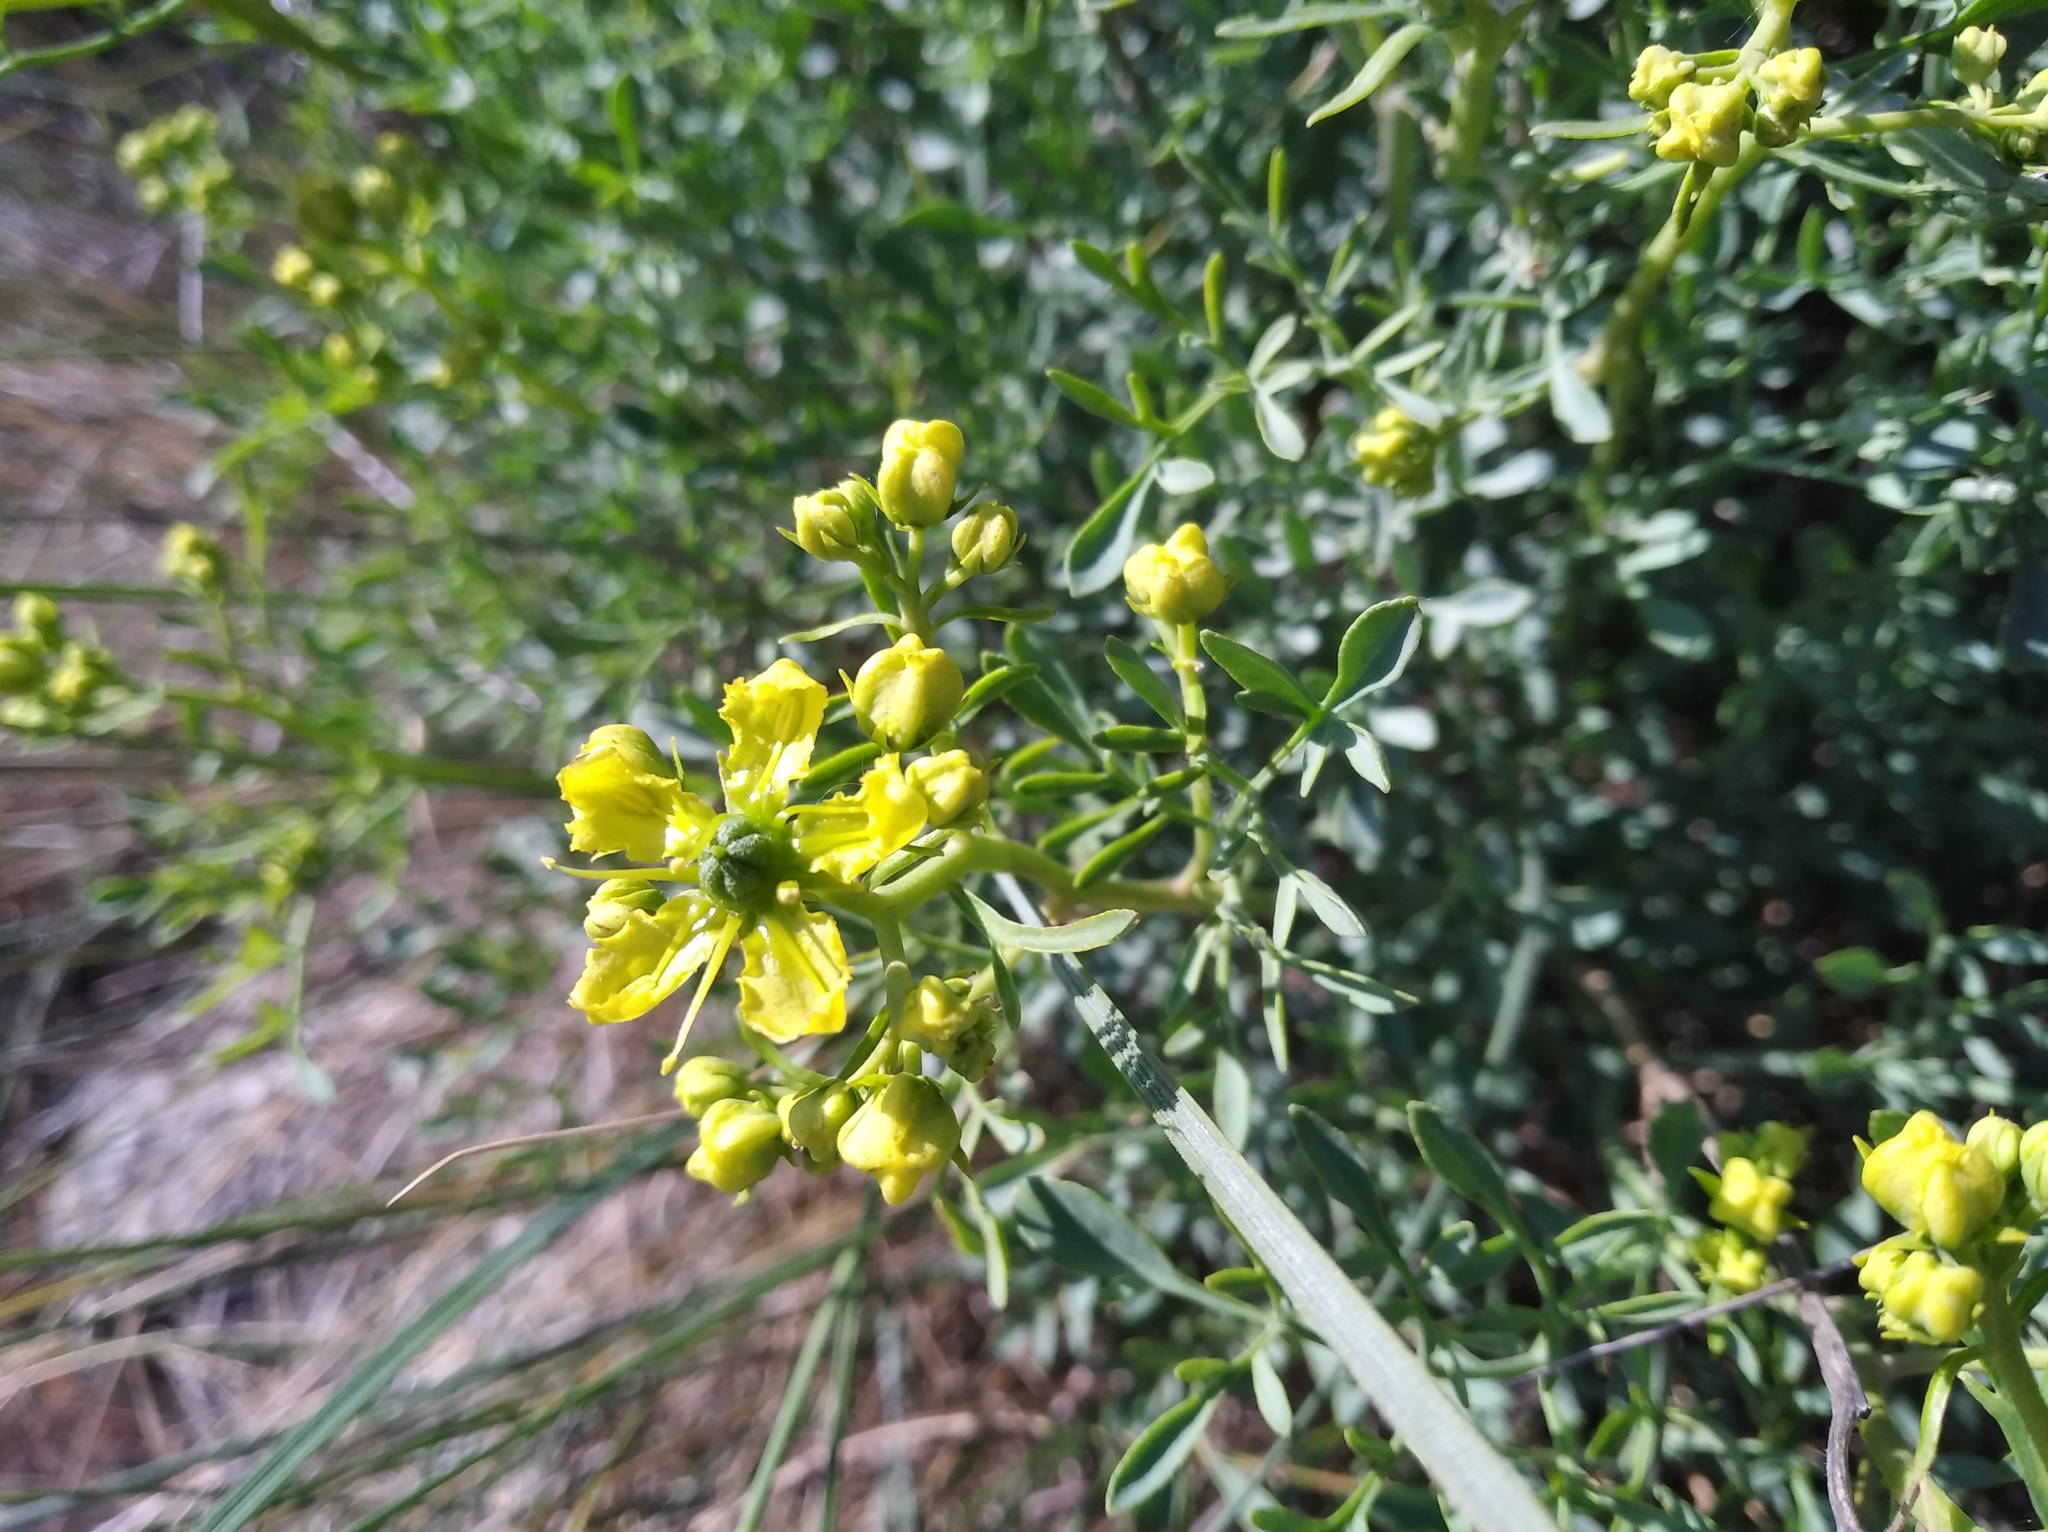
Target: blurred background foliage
(1719, 787)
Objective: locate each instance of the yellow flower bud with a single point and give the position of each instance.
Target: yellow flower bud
(935, 1015)
(703, 1081)
(905, 1129)
(1727, 1259)
(376, 191)
(907, 693)
(135, 149)
(623, 792)
(2034, 1161)
(1175, 581)
(1881, 1262)
(739, 1140)
(37, 620)
(1927, 1300)
(1659, 72)
(1706, 124)
(1789, 87)
(612, 906)
(1396, 452)
(80, 671)
(21, 667)
(812, 1120)
(190, 557)
(1750, 1200)
(835, 525)
(973, 1052)
(1976, 54)
(1998, 1140)
(985, 539)
(324, 289)
(920, 468)
(952, 786)
(291, 267)
(1933, 1184)
(338, 351)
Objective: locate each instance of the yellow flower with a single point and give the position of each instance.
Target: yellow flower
(1931, 1183)
(291, 267)
(985, 539)
(1396, 452)
(906, 693)
(905, 1129)
(952, 786)
(1706, 124)
(738, 1143)
(920, 468)
(81, 671)
(1750, 1201)
(751, 865)
(1175, 581)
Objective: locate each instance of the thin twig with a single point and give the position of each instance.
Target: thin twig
(558, 1134)
(1848, 1405)
(1692, 1321)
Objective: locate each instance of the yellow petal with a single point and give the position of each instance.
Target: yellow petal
(690, 823)
(851, 832)
(646, 960)
(774, 720)
(619, 802)
(796, 975)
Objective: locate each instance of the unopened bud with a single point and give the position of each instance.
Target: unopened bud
(21, 667)
(906, 693)
(920, 469)
(935, 1015)
(1976, 54)
(323, 289)
(812, 1120)
(1706, 125)
(1174, 582)
(985, 539)
(1659, 72)
(190, 557)
(904, 1130)
(702, 1081)
(952, 786)
(36, 618)
(81, 670)
(2034, 1162)
(1998, 1140)
(1396, 453)
(291, 267)
(1926, 1299)
(1751, 1201)
(739, 1140)
(376, 191)
(1931, 1183)
(835, 525)
(1727, 1259)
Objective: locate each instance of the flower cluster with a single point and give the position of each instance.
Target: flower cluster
(763, 869)
(1749, 1199)
(176, 161)
(1959, 1199)
(1702, 104)
(47, 680)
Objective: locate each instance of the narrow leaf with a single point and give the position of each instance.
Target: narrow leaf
(1271, 1394)
(1143, 681)
(1345, 1177)
(1455, 1153)
(1091, 398)
(1277, 428)
(1328, 904)
(1138, 738)
(1118, 852)
(1377, 71)
(1080, 936)
(1158, 1453)
(1095, 558)
(859, 620)
(1605, 127)
(1253, 671)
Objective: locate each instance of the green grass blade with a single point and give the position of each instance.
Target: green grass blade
(271, 1478)
(797, 1392)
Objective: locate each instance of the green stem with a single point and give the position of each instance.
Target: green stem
(1614, 359)
(2005, 1358)
(1185, 651)
(966, 855)
(1472, 100)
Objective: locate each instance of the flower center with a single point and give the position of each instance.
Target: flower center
(743, 863)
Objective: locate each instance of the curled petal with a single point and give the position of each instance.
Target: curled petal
(851, 832)
(622, 794)
(690, 823)
(796, 974)
(647, 958)
(774, 720)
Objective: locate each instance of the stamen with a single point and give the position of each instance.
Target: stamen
(716, 962)
(602, 875)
